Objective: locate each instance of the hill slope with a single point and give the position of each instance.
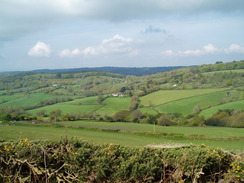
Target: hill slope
(205, 89)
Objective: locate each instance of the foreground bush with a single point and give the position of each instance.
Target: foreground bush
(79, 161)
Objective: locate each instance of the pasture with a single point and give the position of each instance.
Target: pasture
(185, 106)
(213, 132)
(112, 105)
(83, 101)
(236, 105)
(109, 106)
(127, 136)
(26, 100)
(6, 98)
(165, 96)
(224, 71)
(68, 108)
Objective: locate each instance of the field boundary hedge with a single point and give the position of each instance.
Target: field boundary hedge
(79, 161)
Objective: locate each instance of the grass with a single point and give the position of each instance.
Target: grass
(36, 132)
(61, 91)
(224, 71)
(28, 100)
(86, 100)
(213, 132)
(6, 98)
(113, 105)
(165, 96)
(185, 106)
(68, 108)
(89, 104)
(237, 105)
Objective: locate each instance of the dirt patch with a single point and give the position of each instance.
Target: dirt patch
(161, 146)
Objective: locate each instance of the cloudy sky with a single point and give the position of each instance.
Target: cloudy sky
(40, 34)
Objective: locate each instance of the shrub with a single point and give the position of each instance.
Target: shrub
(164, 121)
(80, 161)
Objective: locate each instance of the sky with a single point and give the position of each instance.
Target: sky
(54, 34)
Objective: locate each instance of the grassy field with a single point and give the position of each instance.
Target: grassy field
(86, 100)
(218, 132)
(68, 108)
(165, 96)
(237, 105)
(89, 104)
(185, 106)
(27, 100)
(6, 98)
(37, 132)
(224, 71)
(113, 105)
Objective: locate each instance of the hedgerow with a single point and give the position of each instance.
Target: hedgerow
(80, 161)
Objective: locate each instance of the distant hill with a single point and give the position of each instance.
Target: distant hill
(136, 71)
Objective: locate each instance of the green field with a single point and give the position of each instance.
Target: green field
(113, 105)
(225, 71)
(185, 106)
(68, 108)
(27, 100)
(214, 132)
(61, 92)
(83, 101)
(89, 104)
(6, 98)
(237, 105)
(165, 96)
(40, 132)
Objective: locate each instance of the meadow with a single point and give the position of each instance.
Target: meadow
(6, 98)
(236, 105)
(68, 108)
(185, 106)
(18, 100)
(224, 71)
(214, 132)
(112, 105)
(165, 96)
(130, 134)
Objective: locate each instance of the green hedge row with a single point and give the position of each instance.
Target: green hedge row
(79, 161)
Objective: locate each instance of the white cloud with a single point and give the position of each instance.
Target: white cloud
(234, 48)
(75, 52)
(90, 51)
(70, 53)
(64, 53)
(40, 50)
(117, 45)
(207, 49)
(168, 53)
(190, 52)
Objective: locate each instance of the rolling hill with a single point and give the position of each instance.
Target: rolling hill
(201, 90)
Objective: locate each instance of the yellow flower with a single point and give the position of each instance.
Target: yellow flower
(238, 167)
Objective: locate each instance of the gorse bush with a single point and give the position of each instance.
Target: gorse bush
(79, 161)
